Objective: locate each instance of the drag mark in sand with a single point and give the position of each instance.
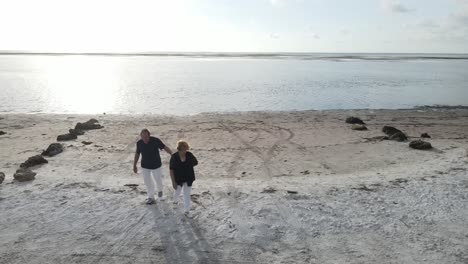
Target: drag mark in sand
(284, 209)
(251, 145)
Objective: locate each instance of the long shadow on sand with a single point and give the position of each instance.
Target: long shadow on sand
(181, 239)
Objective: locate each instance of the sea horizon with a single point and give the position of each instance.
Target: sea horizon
(279, 55)
(192, 83)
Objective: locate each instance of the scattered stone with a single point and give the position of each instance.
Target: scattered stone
(2, 133)
(66, 137)
(291, 192)
(354, 120)
(269, 190)
(101, 189)
(379, 138)
(363, 187)
(157, 248)
(33, 161)
(398, 181)
(358, 127)
(131, 185)
(53, 149)
(76, 132)
(419, 144)
(24, 174)
(390, 130)
(306, 172)
(425, 135)
(2, 177)
(86, 142)
(398, 136)
(88, 125)
(243, 173)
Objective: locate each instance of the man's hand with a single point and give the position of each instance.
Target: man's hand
(168, 150)
(135, 162)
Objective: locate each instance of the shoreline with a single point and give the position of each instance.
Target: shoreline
(415, 108)
(272, 187)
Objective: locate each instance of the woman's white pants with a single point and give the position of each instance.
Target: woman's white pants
(187, 190)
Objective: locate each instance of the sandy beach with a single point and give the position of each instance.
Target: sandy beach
(272, 187)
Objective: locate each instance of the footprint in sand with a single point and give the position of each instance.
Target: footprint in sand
(96, 167)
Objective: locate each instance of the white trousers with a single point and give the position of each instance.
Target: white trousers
(151, 176)
(187, 190)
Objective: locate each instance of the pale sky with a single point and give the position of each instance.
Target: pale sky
(439, 26)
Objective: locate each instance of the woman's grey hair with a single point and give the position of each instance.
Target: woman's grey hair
(182, 144)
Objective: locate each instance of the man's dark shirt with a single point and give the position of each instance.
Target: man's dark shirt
(150, 158)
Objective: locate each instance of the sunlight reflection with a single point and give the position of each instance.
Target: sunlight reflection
(82, 84)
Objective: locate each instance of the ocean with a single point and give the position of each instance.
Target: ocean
(191, 83)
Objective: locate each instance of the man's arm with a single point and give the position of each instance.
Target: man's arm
(135, 161)
(168, 150)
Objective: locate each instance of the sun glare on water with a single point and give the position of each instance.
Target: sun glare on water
(82, 84)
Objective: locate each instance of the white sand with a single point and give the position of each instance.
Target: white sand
(79, 211)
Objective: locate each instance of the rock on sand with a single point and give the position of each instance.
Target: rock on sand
(88, 125)
(76, 132)
(419, 144)
(66, 137)
(33, 161)
(2, 177)
(389, 130)
(425, 135)
(394, 133)
(358, 127)
(398, 136)
(354, 120)
(53, 149)
(24, 174)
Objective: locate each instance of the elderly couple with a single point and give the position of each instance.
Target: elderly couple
(181, 167)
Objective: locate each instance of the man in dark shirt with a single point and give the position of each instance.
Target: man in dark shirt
(149, 148)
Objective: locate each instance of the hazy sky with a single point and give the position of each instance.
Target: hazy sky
(235, 25)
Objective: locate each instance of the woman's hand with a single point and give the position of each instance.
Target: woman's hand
(174, 184)
(135, 169)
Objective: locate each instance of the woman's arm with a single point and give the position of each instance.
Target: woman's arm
(174, 184)
(194, 160)
(172, 166)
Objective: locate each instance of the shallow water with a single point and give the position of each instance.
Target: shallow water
(193, 84)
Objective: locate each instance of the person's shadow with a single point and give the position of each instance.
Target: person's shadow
(181, 239)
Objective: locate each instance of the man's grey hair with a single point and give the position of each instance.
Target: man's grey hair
(145, 130)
